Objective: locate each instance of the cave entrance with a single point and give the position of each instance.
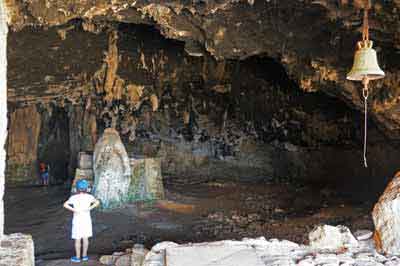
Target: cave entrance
(214, 124)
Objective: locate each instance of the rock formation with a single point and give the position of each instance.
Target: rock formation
(262, 252)
(213, 88)
(22, 145)
(111, 170)
(316, 52)
(386, 218)
(331, 237)
(146, 180)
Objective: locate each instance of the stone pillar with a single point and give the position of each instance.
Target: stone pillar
(3, 107)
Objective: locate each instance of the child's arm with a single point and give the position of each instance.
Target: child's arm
(94, 205)
(68, 207)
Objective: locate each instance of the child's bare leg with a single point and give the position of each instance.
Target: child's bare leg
(85, 246)
(78, 247)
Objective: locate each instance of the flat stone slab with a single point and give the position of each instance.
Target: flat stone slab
(212, 255)
(260, 252)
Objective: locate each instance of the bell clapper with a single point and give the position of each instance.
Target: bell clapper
(365, 93)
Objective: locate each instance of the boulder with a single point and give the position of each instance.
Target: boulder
(17, 250)
(331, 237)
(386, 217)
(124, 260)
(111, 170)
(108, 260)
(138, 254)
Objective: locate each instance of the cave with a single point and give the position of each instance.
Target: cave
(244, 104)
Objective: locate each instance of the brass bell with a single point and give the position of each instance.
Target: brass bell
(365, 63)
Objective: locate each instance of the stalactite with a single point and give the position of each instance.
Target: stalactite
(112, 66)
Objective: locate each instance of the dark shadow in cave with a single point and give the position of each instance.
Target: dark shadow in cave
(326, 129)
(262, 94)
(54, 146)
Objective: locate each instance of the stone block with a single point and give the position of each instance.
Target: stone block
(222, 254)
(17, 250)
(112, 170)
(331, 237)
(386, 217)
(146, 179)
(85, 161)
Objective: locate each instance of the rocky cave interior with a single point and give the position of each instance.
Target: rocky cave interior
(245, 102)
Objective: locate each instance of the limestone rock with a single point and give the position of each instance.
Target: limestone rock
(107, 260)
(363, 234)
(331, 237)
(156, 256)
(124, 260)
(138, 254)
(386, 217)
(111, 170)
(17, 249)
(85, 161)
(22, 145)
(260, 252)
(146, 182)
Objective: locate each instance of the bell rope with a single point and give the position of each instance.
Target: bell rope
(365, 95)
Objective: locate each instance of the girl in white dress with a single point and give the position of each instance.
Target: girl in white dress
(81, 204)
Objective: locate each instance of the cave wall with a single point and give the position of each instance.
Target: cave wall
(206, 118)
(22, 145)
(314, 40)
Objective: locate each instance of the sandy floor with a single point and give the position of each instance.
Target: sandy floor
(195, 213)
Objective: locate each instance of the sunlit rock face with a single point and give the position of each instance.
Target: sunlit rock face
(331, 237)
(215, 89)
(111, 170)
(386, 216)
(314, 40)
(22, 145)
(146, 179)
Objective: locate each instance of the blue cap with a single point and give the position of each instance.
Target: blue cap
(82, 185)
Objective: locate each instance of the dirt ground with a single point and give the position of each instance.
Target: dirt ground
(190, 213)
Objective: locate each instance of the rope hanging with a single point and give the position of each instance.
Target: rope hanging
(365, 68)
(365, 31)
(365, 81)
(365, 95)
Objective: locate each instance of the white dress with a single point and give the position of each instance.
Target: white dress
(82, 222)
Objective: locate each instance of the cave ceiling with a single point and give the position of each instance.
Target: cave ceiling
(313, 40)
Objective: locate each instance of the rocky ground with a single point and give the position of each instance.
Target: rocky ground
(190, 213)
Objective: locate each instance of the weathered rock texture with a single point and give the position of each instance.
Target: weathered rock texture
(387, 219)
(314, 40)
(3, 108)
(237, 89)
(17, 250)
(332, 237)
(22, 145)
(111, 170)
(131, 257)
(146, 180)
(262, 252)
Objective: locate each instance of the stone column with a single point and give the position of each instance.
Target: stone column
(3, 107)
